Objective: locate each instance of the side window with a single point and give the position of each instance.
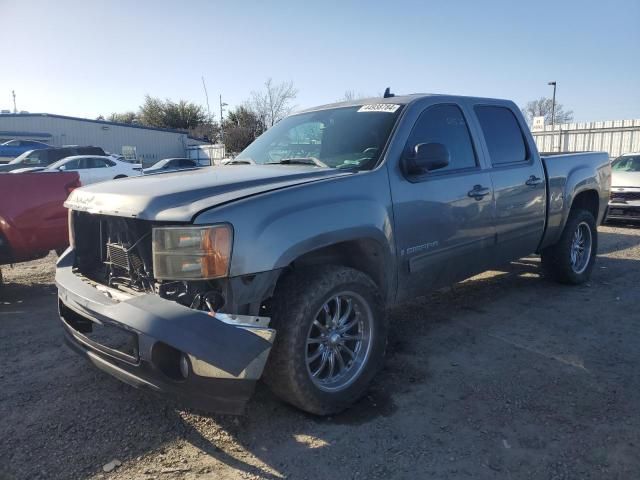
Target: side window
(72, 165)
(97, 163)
(445, 124)
(503, 135)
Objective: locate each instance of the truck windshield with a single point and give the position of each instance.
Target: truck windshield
(627, 163)
(348, 137)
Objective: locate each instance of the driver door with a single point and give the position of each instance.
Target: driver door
(444, 218)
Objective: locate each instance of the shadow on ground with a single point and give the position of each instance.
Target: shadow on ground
(482, 379)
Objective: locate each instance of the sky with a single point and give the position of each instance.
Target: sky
(94, 57)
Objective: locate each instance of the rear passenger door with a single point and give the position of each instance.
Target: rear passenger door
(444, 218)
(101, 169)
(518, 181)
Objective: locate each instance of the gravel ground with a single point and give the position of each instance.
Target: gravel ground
(506, 375)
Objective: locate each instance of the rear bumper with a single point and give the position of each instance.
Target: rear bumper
(223, 360)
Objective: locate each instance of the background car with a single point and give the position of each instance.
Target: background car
(13, 148)
(46, 156)
(624, 203)
(94, 168)
(169, 164)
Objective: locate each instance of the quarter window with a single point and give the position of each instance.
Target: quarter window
(445, 124)
(503, 135)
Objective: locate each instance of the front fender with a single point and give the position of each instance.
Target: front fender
(273, 229)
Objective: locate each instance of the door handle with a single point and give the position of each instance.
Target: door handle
(532, 181)
(478, 192)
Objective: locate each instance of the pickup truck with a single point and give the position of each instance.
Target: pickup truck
(33, 219)
(198, 283)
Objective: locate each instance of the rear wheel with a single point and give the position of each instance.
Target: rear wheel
(119, 176)
(330, 340)
(571, 260)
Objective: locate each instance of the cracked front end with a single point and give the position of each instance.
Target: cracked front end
(183, 334)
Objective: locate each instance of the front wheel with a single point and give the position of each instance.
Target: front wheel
(571, 260)
(330, 340)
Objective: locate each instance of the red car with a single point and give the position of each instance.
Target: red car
(33, 220)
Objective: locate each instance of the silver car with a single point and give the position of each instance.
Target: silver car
(624, 203)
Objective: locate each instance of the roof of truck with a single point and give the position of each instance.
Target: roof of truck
(395, 100)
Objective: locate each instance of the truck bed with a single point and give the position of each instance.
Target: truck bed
(568, 175)
(33, 220)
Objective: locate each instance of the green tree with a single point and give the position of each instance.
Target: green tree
(152, 112)
(241, 127)
(125, 117)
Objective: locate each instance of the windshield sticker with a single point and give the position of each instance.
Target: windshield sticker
(380, 107)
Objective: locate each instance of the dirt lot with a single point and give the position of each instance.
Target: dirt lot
(506, 375)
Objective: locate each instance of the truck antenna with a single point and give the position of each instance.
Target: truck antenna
(387, 93)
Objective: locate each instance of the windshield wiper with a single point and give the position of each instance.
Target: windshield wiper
(299, 161)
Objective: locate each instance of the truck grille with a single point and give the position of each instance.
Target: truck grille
(624, 196)
(114, 251)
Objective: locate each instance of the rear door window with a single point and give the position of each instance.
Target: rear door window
(502, 134)
(98, 163)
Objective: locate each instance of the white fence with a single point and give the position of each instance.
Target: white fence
(615, 137)
(206, 154)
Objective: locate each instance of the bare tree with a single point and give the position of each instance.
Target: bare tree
(542, 107)
(350, 95)
(274, 102)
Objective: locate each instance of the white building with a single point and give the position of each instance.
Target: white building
(150, 144)
(614, 137)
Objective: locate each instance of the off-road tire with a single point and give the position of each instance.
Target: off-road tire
(298, 297)
(556, 259)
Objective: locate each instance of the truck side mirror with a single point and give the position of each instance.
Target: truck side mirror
(427, 157)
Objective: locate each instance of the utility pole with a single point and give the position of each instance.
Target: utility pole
(208, 111)
(222, 119)
(15, 110)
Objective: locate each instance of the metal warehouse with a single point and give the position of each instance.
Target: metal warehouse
(614, 136)
(149, 144)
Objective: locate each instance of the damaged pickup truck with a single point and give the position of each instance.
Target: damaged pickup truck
(281, 265)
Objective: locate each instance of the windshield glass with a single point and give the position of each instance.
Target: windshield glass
(26, 157)
(350, 137)
(628, 163)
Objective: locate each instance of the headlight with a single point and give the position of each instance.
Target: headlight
(191, 253)
(72, 236)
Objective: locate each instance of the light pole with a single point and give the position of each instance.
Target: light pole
(553, 105)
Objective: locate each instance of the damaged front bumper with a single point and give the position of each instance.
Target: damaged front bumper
(210, 363)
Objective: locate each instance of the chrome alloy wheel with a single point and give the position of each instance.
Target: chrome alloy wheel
(339, 342)
(581, 248)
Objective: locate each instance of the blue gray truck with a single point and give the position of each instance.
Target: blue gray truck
(281, 265)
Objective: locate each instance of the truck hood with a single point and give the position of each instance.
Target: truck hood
(179, 196)
(625, 179)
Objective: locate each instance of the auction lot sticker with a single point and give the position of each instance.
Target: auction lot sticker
(379, 107)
